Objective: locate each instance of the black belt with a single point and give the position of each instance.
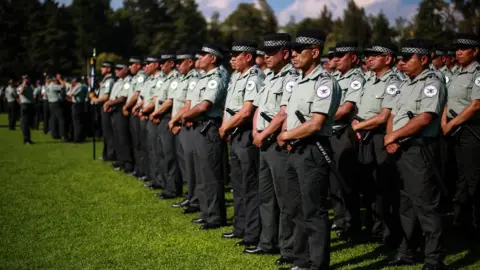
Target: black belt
(312, 140)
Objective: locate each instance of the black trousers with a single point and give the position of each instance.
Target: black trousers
(12, 114)
(78, 120)
(28, 111)
(134, 125)
(67, 113)
(122, 141)
(307, 183)
(57, 124)
(378, 183)
(46, 117)
(187, 137)
(208, 154)
(467, 194)
(108, 139)
(419, 203)
(277, 224)
(244, 164)
(153, 144)
(346, 208)
(38, 114)
(167, 162)
(144, 155)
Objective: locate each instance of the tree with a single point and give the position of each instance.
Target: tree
(246, 22)
(290, 27)
(381, 27)
(355, 24)
(470, 10)
(271, 23)
(428, 21)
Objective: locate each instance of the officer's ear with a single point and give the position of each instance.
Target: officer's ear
(249, 57)
(355, 58)
(424, 60)
(475, 51)
(286, 55)
(389, 59)
(316, 53)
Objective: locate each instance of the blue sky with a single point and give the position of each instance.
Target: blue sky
(304, 8)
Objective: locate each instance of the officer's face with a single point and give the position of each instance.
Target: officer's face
(275, 59)
(121, 72)
(377, 62)
(332, 64)
(344, 61)
(260, 61)
(449, 60)
(413, 64)
(168, 66)
(304, 58)
(135, 67)
(185, 66)
(465, 56)
(205, 60)
(232, 63)
(242, 60)
(438, 61)
(103, 71)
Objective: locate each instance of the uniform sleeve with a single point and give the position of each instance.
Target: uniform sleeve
(252, 88)
(431, 97)
(192, 83)
(214, 90)
(391, 92)
(125, 90)
(257, 98)
(138, 84)
(355, 88)
(288, 86)
(476, 86)
(323, 96)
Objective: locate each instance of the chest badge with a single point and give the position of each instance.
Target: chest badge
(192, 85)
(289, 87)
(174, 85)
(477, 81)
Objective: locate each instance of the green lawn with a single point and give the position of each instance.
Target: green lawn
(61, 210)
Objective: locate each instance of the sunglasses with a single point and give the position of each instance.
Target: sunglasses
(300, 49)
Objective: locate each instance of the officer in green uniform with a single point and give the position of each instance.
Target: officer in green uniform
(423, 94)
(316, 96)
(37, 95)
(136, 85)
(332, 67)
(207, 101)
(277, 225)
(237, 129)
(25, 92)
(78, 94)
(103, 95)
(183, 136)
(351, 80)
(121, 133)
(167, 160)
(146, 104)
(452, 62)
(55, 91)
(373, 109)
(464, 99)
(46, 107)
(11, 97)
(439, 60)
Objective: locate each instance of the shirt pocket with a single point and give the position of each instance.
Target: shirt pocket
(276, 100)
(305, 106)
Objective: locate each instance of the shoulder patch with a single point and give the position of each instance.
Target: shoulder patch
(477, 80)
(107, 84)
(392, 89)
(289, 86)
(140, 79)
(355, 85)
(324, 91)
(192, 85)
(293, 71)
(254, 71)
(212, 84)
(430, 91)
(250, 85)
(174, 85)
(159, 83)
(126, 86)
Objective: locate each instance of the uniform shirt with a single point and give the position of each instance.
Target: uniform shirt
(424, 94)
(318, 92)
(464, 87)
(351, 84)
(378, 93)
(121, 88)
(400, 74)
(151, 84)
(211, 87)
(44, 92)
(455, 68)
(27, 96)
(79, 93)
(243, 87)
(54, 92)
(275, 88)
(136, 84)
(106, 85)
(186, 84)
(37, 92)
(11, 94)
(443, 73)
(162, 92)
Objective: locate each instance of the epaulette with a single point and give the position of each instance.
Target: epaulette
(254, 71)
(293, 71)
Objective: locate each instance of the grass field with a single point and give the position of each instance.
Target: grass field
(61, 210)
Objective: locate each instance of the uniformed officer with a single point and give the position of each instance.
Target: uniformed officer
(277, 225)
(260, 61)
(373, 108)
(332, 67)
(146, 103)
(11, 96)
(25, 92)
(237, 129)
(423, 94)
(452, 62)
(136, 85)
(37, 95)
(316, 96)
(167, 160)
(439, 61)
(350, 78)
(103, 95)
(207, 104)
(464, 99)
(46, 107)
(113, 106)
(183, 136)
(78, 94)
(67, 110)
(55, 93)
